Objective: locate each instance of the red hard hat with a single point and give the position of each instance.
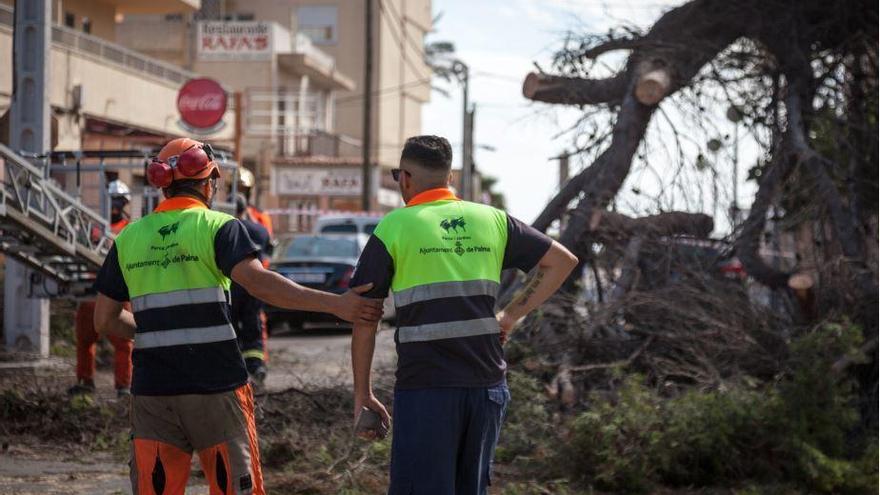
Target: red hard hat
(182, 159)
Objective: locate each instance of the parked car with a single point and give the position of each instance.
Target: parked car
(347, 224)
(318, 261)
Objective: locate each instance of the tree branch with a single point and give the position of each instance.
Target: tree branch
(748, 243)
(573, 90)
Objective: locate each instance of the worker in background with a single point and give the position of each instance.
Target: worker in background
(442, 258)
(86, 337)
(246, 181)
(190, 388)
(246, 309)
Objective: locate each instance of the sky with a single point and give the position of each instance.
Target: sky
(500, 40)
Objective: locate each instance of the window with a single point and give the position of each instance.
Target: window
(87, 25)
(318, 23)
(282, 111)
(69, 20)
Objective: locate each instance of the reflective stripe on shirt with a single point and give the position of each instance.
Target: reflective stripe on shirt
(439, 290)
(183, 336)
(178, 298)
(448, 330)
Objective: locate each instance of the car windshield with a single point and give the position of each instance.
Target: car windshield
(369, 228)
(345, 228)
(324, 247)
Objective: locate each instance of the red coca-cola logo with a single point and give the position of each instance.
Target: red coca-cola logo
(201, 103)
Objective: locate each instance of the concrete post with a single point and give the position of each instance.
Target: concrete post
(26, 320)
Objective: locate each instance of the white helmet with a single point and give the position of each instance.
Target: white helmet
(245, 178)
(117, 189)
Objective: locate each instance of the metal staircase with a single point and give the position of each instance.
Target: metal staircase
(49, 230)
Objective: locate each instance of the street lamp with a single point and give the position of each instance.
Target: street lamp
(440, 57)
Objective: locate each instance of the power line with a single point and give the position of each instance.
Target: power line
(398, 36)
(393, 10)
(494, 75)
(360, 96)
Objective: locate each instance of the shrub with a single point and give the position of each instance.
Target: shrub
(527, 429)
(794, 430)
(819, 403)
(613, 444)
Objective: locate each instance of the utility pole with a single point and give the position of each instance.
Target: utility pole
(563, 177)
(734, 115)
(563, 168)
(366, 178)
(467, 139)
(236, 100)
(26, 320)
(467, 165)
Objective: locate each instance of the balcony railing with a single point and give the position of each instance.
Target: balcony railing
(283, 113)
(108, 52)
(119, 55)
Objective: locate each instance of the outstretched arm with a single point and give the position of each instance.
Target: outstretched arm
(279, 291)
(551, 271)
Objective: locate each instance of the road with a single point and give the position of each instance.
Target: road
(313, 359)
(320, 358)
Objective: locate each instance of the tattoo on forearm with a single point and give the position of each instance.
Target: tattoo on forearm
(530, 289)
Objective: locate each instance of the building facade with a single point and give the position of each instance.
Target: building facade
(104, 96)
(299, 67)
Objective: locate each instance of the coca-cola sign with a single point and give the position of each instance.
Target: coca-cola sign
(201, 103)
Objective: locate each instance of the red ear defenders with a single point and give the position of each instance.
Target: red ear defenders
(190, 163)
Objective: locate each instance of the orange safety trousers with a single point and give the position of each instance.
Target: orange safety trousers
(231, 466)
(86, 346)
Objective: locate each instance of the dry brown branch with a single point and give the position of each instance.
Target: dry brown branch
(617, 364)
(573, 90)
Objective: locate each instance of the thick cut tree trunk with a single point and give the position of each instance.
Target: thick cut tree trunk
(653, 86)
(675, 223)
(573, 90)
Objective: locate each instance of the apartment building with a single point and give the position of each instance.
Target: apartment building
(299, 67)
(105, 96)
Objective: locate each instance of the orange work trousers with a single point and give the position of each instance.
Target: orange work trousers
(220, 428)
(86, 345)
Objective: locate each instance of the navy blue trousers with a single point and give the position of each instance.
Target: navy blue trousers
(245, 315)
(444, 439)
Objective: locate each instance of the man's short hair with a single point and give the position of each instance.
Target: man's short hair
(432, 152)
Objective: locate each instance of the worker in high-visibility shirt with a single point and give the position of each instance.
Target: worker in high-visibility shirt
(442, 258)
(190, 389)
(86, 337)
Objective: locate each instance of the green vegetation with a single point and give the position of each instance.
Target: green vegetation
(796, 431)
